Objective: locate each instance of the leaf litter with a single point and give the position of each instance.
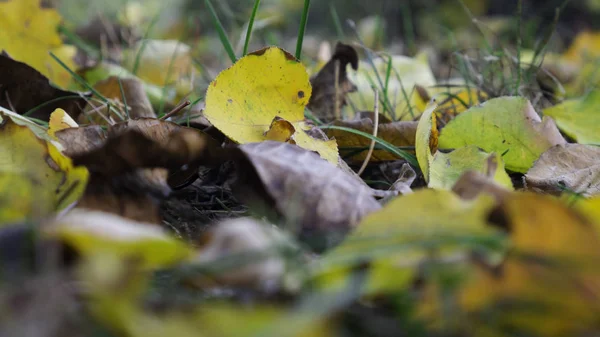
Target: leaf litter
(243, 214)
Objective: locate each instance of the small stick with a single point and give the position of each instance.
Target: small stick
(336, 111)
(175, 110)
(375, 127)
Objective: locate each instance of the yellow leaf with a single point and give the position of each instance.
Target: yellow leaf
(579, 118)
(585, 47)
(244, 99)
(28, 33)
(409, 229)
(424, 139)
(60, 120)
(35, 173)
(549, 284)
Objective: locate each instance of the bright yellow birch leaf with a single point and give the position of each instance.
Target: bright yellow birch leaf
(426, 139)
(60, 120)
(244, 99)
(28, 33)
(42, 181)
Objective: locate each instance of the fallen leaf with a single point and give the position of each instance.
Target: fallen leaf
(550, 284)
(426, 140)
(395, 133)
(575, 167)
(93, 232)
(447, 168)
(329, 92)
(473, 183)
(37, 179)
(242, 102)
(25, 90)
(29, 32)
(505, 125)
(60, 120)
(318, 201)
(407, 232)
(579, 118)
(258, 247)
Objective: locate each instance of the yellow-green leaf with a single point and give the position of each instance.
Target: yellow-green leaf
(446, 168)
(36, 179)
(426, 140)
(579, 118)
(505, 125)
(244, 99)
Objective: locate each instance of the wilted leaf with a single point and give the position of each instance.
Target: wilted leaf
(317, 199)
(568, 166)
(508, 126)
(130, 169)
(329, 92)
(29, 32)
(447, 168)
(24, 89)
(579, 118)
(37, 180)
(549, 279)
(395, 133)
(244, 99)
(407, 232)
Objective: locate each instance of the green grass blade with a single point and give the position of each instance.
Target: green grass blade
(138, 55)
(336, 22)
(250, 25)
(303, 21)
(57, 99)
(386, 146)
(222, 35)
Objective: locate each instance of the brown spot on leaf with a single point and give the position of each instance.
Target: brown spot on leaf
(300, 94)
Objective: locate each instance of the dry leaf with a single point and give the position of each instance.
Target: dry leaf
(396, 133)
(22, 89)
(318, 201)
(325, 102)
(568, 166)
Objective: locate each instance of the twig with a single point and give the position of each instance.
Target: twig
(375, 127)
(175, 110)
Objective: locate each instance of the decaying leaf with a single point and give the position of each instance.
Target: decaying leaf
(244, 99)
(426, 140)
(130, 168)
(29, 33)
(36, 179)
(473, 183)
(505, 125)
(318, 201)
(331, 84)
(25, 90)
(579, 118)
(575, 167)
(408, 231)
(395, 133)
(549, 279)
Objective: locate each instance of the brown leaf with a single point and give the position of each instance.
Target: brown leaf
(316, 198)
(137, 103)
(23, 88)
(129, 171)
(572, 166)
(396, 133)
(325, 102)
(81, 140)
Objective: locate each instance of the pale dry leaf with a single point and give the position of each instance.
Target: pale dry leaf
(316, 197)
(572, 166)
